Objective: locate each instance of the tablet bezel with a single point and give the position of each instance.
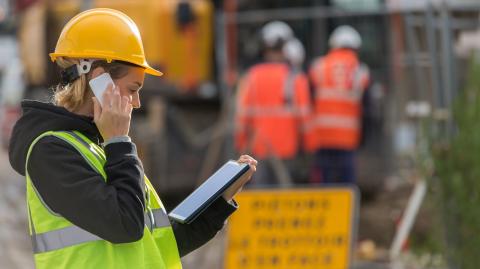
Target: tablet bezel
(211, 199)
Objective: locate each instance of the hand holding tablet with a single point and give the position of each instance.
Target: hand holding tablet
(211, 189)
(237, 186)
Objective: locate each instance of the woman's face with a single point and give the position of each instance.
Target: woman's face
(131, 84)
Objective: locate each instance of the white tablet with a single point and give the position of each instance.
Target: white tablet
(208, 192)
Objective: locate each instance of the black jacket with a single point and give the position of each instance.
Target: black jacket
(113, 210)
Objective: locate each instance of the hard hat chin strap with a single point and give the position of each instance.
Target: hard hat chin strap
(72, 73)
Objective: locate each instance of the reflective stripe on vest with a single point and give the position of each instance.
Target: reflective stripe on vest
(71, 235)
(159, 217)
(344, 95)
(339, 95)
(74, 235)
(333, 121)
(273, 111)
(286, 109)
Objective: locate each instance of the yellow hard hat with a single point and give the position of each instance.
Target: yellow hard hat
(102, 33)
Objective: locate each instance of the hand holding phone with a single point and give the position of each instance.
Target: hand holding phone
(111, 110)
(100, 84)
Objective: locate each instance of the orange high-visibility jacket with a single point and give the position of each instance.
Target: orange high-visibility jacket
(272, 109)
(339, 79)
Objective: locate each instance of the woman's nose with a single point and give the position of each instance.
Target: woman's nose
(135, 100)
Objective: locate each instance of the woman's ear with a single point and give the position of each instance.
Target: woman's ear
(97, 71)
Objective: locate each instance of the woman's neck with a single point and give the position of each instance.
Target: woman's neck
(85, 109)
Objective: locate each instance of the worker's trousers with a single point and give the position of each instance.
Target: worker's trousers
(333, 166)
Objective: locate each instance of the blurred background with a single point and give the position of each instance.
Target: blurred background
(418, 157)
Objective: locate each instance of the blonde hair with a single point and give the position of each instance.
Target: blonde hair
(71, 95)
(74, 94)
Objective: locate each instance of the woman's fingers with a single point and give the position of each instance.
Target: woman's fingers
(116, 100)
(97, 110)
(238, 185)
(251, 162)
(113, 119)
(107, 97)
(248, 159)
(113, 100)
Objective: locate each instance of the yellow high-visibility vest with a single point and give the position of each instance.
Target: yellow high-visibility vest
(58, 243)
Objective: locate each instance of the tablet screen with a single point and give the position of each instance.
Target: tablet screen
(206, 193)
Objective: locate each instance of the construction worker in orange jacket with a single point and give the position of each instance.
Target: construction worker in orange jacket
(339, 80)
(272, 106)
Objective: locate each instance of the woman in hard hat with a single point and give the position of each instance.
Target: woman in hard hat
(89, 204)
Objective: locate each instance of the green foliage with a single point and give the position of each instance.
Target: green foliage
(457, 175)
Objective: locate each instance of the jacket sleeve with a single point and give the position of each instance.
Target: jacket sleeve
(112, 210)
(192, 236)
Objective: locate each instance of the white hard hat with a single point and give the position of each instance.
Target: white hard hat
(345, 37)
(275, 33)
(294, 52)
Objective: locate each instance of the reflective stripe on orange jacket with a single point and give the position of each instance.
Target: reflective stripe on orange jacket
(272, 109)
(339, 80)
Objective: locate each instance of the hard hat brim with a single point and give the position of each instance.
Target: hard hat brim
(148, 69)
(151, 71)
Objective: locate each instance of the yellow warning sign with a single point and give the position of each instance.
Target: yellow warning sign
(289, 229)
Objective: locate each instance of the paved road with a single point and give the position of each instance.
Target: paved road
(209, 256)
(15, 249)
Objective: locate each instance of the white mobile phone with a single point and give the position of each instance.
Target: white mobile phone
(100, 84)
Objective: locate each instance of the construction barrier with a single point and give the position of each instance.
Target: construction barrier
(293, 228)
